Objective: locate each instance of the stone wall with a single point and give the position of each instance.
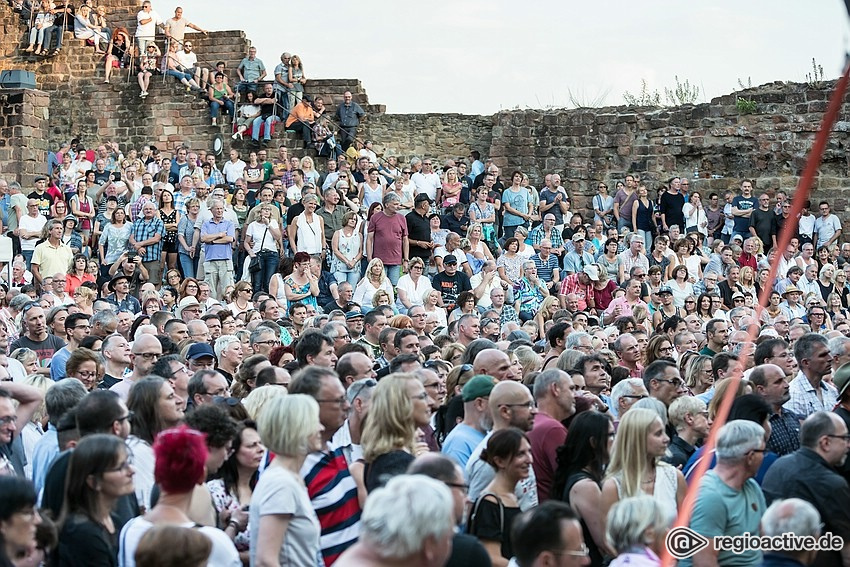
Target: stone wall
(23, 140)
(440, 136)
(714, 141)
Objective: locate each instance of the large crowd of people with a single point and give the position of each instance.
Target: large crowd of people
(355, 359)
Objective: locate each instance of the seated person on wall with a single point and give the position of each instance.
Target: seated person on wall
(301, 119)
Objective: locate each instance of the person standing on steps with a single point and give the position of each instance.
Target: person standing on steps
(348, 114)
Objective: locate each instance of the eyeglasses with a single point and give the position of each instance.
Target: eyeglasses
(635, 396)
(765, 450)
(9, 419)
(148, 355)
(81, 326)
(583, 551)
(123, 467)
(86, 374)
(129, 416)
(272, 342)
(459, 485)
(422, 396)
(357, 388)
(690, 301)
(339, 401)
(527, 405)
(678, 383)
(666, 349)
(845, 437)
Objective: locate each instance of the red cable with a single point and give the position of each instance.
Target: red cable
(790, 228)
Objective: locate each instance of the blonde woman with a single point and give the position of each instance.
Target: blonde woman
(529, 361)
(84, 299)
(32, 431)
(347, 247)
(309, 169)
(412, 286)
(430, 301)
(380, 298)
(475, 236)
(375, 279)
(450, 191)
(284, 528)
(400, 406)
(747, 281)
(636, 469)
(547, 310)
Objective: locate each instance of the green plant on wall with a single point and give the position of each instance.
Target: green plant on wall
(644, 98)
(684, 93)
(746, 106)
(815, 78)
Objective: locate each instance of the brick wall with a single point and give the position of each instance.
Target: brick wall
(23, 144)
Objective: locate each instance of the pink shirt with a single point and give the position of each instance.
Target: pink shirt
(624, 306)
(389, 233)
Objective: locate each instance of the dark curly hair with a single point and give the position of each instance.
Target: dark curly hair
(229, 471)
(215, 422)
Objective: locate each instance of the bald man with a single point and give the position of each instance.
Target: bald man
(145, 352)
(511, 405)
(495, 363)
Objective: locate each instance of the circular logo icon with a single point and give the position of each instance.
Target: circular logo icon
(683, 542)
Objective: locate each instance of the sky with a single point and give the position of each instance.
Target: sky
(482, 56)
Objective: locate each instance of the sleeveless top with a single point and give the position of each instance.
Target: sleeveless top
(85, 207)
(664, 490)
(309, 300)
(596, 559)
(170, 235)
(281, 288)
(309, 235)
(644, 216)
(372, 195)
(349, 246)
(220, 94)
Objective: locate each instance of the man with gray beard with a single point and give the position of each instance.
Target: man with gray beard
(477, 420)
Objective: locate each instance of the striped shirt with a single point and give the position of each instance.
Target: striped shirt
(333, 494)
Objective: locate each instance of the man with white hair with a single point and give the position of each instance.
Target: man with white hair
(423, 539)
(810, 474)
(625, 393)
(689, 416)
(484, 283)
(730, 502)
(791, 516)
(228, 351)
(218, 235)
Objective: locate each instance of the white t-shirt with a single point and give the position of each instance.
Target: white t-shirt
(148, 30)
(188, 60)
(427, 184)
(233, 171)
(31, 224)
(826, 228)
(256, 230)
(223, 553)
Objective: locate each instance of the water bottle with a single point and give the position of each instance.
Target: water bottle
(696, 172)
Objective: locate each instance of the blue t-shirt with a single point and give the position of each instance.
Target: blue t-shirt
(461, 442)
(519, 202)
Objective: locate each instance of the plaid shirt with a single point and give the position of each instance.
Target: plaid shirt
(785, 435)
(216, 177)
(571, 284)
(180, 201)
(508, 314)
(804, 399)
(537, 235)
(144, 229)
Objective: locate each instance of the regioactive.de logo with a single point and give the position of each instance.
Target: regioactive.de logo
(683, 542)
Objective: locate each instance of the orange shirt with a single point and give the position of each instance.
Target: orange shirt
(302, 113)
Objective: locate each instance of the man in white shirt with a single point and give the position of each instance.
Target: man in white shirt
(189, 60)
(234, 168)
(29, 230)
(827, 227)
(426, 180)
(147, 19)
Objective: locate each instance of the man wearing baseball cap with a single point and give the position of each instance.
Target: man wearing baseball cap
(450, 282)
(577, 259)
(477, 420)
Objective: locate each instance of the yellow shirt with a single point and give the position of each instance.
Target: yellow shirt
(52, 259)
